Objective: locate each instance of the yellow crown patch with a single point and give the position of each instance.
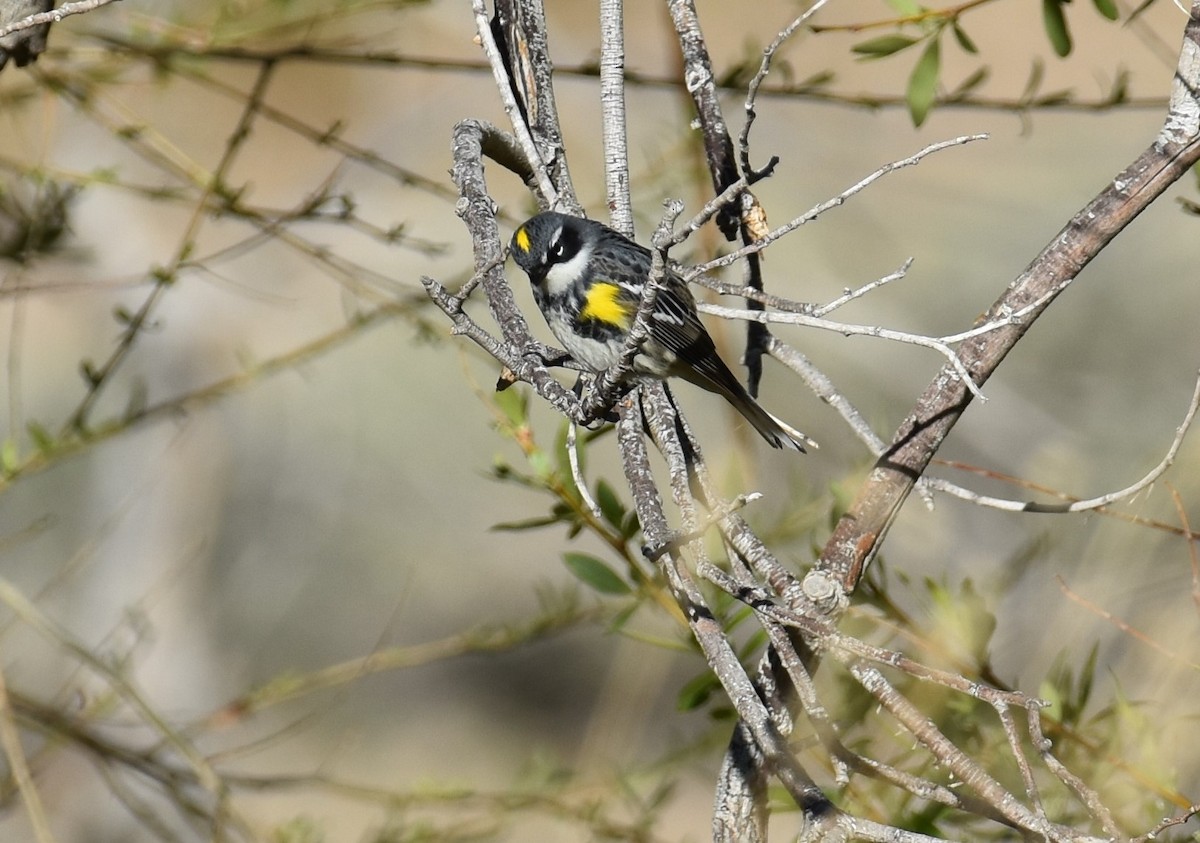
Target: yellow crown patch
(521, 238)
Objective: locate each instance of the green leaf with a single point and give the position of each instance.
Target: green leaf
(1056, 26)
(528, 524)
(622, 617)
(1034, 84)
(965, 41)
(696, 692)
(610, 505)
(542, 465)
(1120, 88)
(1108, 8)
(884, 45)
(905, 8)
(9, 455)
(969, 84)
(631, 525)
(514, 403)
(1087, 679)
(42, 438)
(1050, 694)
(596, 573)
(922, 85)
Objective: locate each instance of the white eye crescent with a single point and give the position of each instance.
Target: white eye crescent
(557, 250)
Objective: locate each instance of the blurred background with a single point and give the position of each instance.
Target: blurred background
(293, 465)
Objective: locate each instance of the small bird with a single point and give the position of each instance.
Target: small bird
(24, 45)
(588, 279)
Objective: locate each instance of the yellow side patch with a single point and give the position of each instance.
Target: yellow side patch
(522, 239)
(603, 304)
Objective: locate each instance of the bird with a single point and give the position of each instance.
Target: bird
(24, 45)
(588, 280)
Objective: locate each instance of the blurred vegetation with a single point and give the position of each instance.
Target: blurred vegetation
(177, 107)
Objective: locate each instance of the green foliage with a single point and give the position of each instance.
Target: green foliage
(9, 456)
(884, 45)
(548, 472)
(298, 830)
(922, 84)
(1068, 696)
(596, 573)
(921, 26)
(697, 691)
(1055, 22)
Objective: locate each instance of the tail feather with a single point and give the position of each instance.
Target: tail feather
(708, 371)
(778, 433)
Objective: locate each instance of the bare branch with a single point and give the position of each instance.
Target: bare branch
(78, 7)
(829, 204)
(756, 83)
(612, 109)
(859, 533)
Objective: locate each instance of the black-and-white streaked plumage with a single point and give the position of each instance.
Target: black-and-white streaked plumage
(588, 280)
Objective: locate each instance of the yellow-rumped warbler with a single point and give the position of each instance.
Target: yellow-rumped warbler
(588, 280)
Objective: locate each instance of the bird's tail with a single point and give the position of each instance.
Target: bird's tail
(778, 434)
(715, 376)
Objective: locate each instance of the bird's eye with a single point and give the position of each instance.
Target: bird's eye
(556, 252)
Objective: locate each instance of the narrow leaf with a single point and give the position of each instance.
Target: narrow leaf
(905, 8)
(1034, 84)
(969, 84)
(965, 41)
(528, 524)
(631, 525)
(884, 45)
(9, 457)
(595, 573)
(922, 85)
(696, 692)
(514, 403)
(1108, 8)
(43, 440)
(1056, 26)
(610, 505)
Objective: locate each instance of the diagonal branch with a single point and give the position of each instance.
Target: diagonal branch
(860, 532)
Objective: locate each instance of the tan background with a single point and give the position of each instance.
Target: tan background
(343, 505)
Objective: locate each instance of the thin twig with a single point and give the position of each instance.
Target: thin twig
(1086, 504)
(1171, 822)
(764, 68)
(215, 183)
(1125, 627)
(775, 318)
(508, 99)
(1087, 795)
(39, 622)
(829, 204)
(581, 485)
(850, 295)
(1193, 550)
(54, 15)
(18, 765)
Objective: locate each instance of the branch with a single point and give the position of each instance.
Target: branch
(54, 16)
(612, 112)
(828, 205)
(860, 532)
